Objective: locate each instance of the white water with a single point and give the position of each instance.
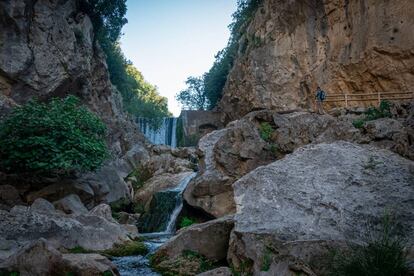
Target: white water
(139, 265)
(164, 135)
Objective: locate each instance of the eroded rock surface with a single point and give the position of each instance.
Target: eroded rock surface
(298, 208)
(40, 258)
(229, 153)
(90, 231)
(291, 47)
(48, 50)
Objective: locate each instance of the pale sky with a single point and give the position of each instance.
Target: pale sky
(170, 40)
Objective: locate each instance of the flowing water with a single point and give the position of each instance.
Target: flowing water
(139, 265)
(165, 134)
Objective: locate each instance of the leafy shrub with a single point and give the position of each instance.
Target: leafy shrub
(186, 221)
(54, 138)
(382, 255)
(359, 123)
(265, 131)
(373, 113)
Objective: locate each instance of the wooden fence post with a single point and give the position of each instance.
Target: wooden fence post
(346, 100)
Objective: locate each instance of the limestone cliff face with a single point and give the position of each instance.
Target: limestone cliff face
(291, 47)
(47, 50)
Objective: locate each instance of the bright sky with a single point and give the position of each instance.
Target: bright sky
(170, 40)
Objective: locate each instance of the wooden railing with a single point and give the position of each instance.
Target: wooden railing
(347, 98)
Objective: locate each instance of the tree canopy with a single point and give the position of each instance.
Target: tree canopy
(215, 79)
(193, 97)
(140, 98)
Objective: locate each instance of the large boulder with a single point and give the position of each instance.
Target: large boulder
(209, 239)
(225, 156)
(291, 213)
(158, 183)
(89, 231)
(230, 153)
(40, 258)
(221, 271)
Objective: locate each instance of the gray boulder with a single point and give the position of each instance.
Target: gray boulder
(71, 204)
(9, 197)
(298, 208)
(92, 232)
(221, 271)
(209, 239)
(40, 258)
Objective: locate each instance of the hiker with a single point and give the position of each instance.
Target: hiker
(320, 97)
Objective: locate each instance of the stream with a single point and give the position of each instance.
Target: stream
(139, 265)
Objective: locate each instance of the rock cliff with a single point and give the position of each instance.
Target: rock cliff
(47, 49)
(291, 47)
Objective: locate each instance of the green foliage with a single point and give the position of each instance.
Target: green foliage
(186, 221)
(79, 250)
(138, 176)
(140, 98)
(383, 255)
(205, 264)
(215, 79)
(11, 273)
(54, 138)
(193, 97)
(127, 249)
(373, 113)
(267, 260)
(107, 273)
(266, 131)
(359, 123)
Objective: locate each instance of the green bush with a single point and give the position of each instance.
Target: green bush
(373, 113)
(54, 138)
(382, 255)
(266, 131)
(186, 221)
(359, 123)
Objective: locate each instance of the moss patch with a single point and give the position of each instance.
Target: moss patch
(127, 249)
(188, 263)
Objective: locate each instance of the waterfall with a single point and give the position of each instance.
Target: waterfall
(165, 134)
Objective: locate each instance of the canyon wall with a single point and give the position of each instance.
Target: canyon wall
(344, 46)
(47, 49)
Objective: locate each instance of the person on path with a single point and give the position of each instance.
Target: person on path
(320, 97)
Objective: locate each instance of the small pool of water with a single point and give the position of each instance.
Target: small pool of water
(139, 265)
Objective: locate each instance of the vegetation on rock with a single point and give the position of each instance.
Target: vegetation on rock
(54, 138)
(373, 113)
(127, 249)
(140, 98)
(189, 263)
(212, 82)
(383, 255)
(186, 221)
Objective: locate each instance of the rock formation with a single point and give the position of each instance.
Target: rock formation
(229, 153)
(291, 47)
(48, 50)
(298, 208)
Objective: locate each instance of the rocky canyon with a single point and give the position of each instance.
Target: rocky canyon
(270, 187)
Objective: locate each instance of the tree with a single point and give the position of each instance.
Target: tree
(54, 138)
(140, 98)
(193, 97)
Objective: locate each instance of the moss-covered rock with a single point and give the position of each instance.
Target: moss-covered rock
(127, 249)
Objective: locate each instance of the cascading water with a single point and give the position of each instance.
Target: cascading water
(139, 265)
(165, 134)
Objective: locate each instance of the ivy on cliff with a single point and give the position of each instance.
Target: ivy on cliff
(215, 79)
(140, 98)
